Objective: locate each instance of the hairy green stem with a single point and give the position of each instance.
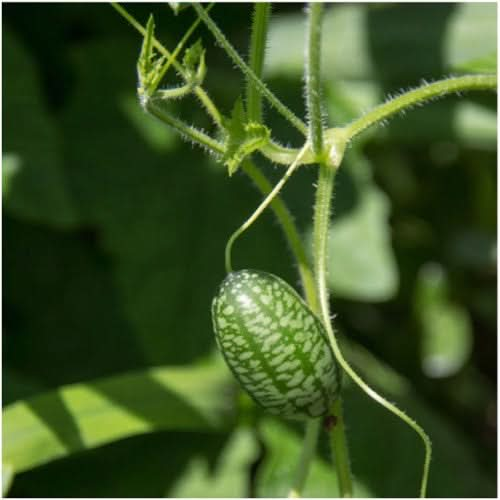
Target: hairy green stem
(307, 454)
(419, 95)
(313, 84)
(257, 53)
(322, 214)
(313, 101)
(324, 192)
(247, 71)
(156, 107)
(280, 154)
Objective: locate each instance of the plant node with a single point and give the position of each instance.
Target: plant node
(335, 143)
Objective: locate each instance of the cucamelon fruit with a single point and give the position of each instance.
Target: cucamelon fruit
(274, 345)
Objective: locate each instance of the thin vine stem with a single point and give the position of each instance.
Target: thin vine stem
(258, 211)
(324, 192)
(247, 71)
(291, 232)
(306, 455)
(257, 53)
(321, 223)
(418, 96)
(313, 84)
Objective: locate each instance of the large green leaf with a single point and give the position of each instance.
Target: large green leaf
(37, 188)
(229, 479)
(86, 415)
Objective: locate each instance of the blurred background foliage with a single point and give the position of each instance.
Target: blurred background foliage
(113, 238)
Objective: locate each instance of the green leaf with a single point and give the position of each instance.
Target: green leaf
(362, 263)
(193, 55)
(231, 474)
(476, 125)
(470, 42)
(283, 447)
(194, 65)
(446, 328)
(86, 415)
(242, 138)
(483, 64)
(37, 187)
(7, 477)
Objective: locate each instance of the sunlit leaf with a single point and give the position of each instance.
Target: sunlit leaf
(477, 125)
(7, 477)
(446, 328)
(470, 42)
(86, 415)
(484, 64)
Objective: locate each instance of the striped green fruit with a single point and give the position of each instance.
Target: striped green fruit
(274, 344)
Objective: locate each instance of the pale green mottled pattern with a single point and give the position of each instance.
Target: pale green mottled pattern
(275, 346)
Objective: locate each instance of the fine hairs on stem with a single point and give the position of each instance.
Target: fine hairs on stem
(318, 147)
(321, 220)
